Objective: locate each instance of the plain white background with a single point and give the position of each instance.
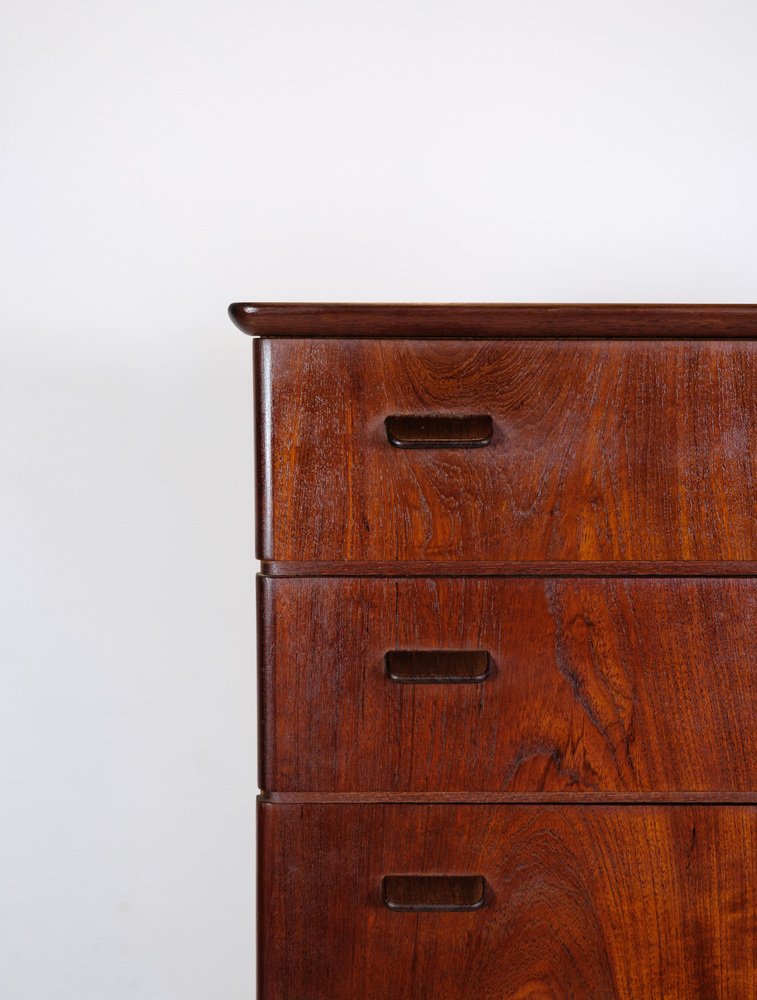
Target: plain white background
(163, 158)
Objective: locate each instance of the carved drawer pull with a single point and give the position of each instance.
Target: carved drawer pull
(437, 666)
(439, 431)
(434, 892)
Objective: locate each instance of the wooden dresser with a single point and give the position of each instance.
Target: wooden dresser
(507, 651)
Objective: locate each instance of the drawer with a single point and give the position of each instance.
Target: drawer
(506, 451)
(390, 902)
(519, 685)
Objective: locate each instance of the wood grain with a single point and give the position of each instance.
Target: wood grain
(602, 451)
(622, 685)
(310, 319)
(579, 772)
(611, 902)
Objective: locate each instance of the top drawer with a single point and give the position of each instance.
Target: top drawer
(626, 450)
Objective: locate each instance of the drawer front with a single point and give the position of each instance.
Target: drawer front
(388, 902)
(517, 685)
(593, 450)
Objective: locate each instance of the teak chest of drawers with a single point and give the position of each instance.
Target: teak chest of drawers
(507, 659)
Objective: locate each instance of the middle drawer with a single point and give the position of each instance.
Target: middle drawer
(507, 685)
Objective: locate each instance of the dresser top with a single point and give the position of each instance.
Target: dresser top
(491, 321)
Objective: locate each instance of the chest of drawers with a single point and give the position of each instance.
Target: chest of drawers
(507, 660)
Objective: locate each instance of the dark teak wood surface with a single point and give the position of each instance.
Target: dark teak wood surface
(610, 902)
(622, 451)
(507, 665)
(607, 322)
(594, 685)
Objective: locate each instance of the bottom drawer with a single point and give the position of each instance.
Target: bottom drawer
(487, 902)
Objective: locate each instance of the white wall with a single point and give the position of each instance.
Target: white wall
(163, 158)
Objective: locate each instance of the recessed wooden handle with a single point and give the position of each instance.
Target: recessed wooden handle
(437, 666)
(434, 892)
(430, 431)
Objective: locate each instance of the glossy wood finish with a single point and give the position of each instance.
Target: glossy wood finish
(508, 676)
(602, 451)
(312, 319)
(618, 902)
(633, 685)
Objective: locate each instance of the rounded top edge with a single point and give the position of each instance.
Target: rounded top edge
(492, 320)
